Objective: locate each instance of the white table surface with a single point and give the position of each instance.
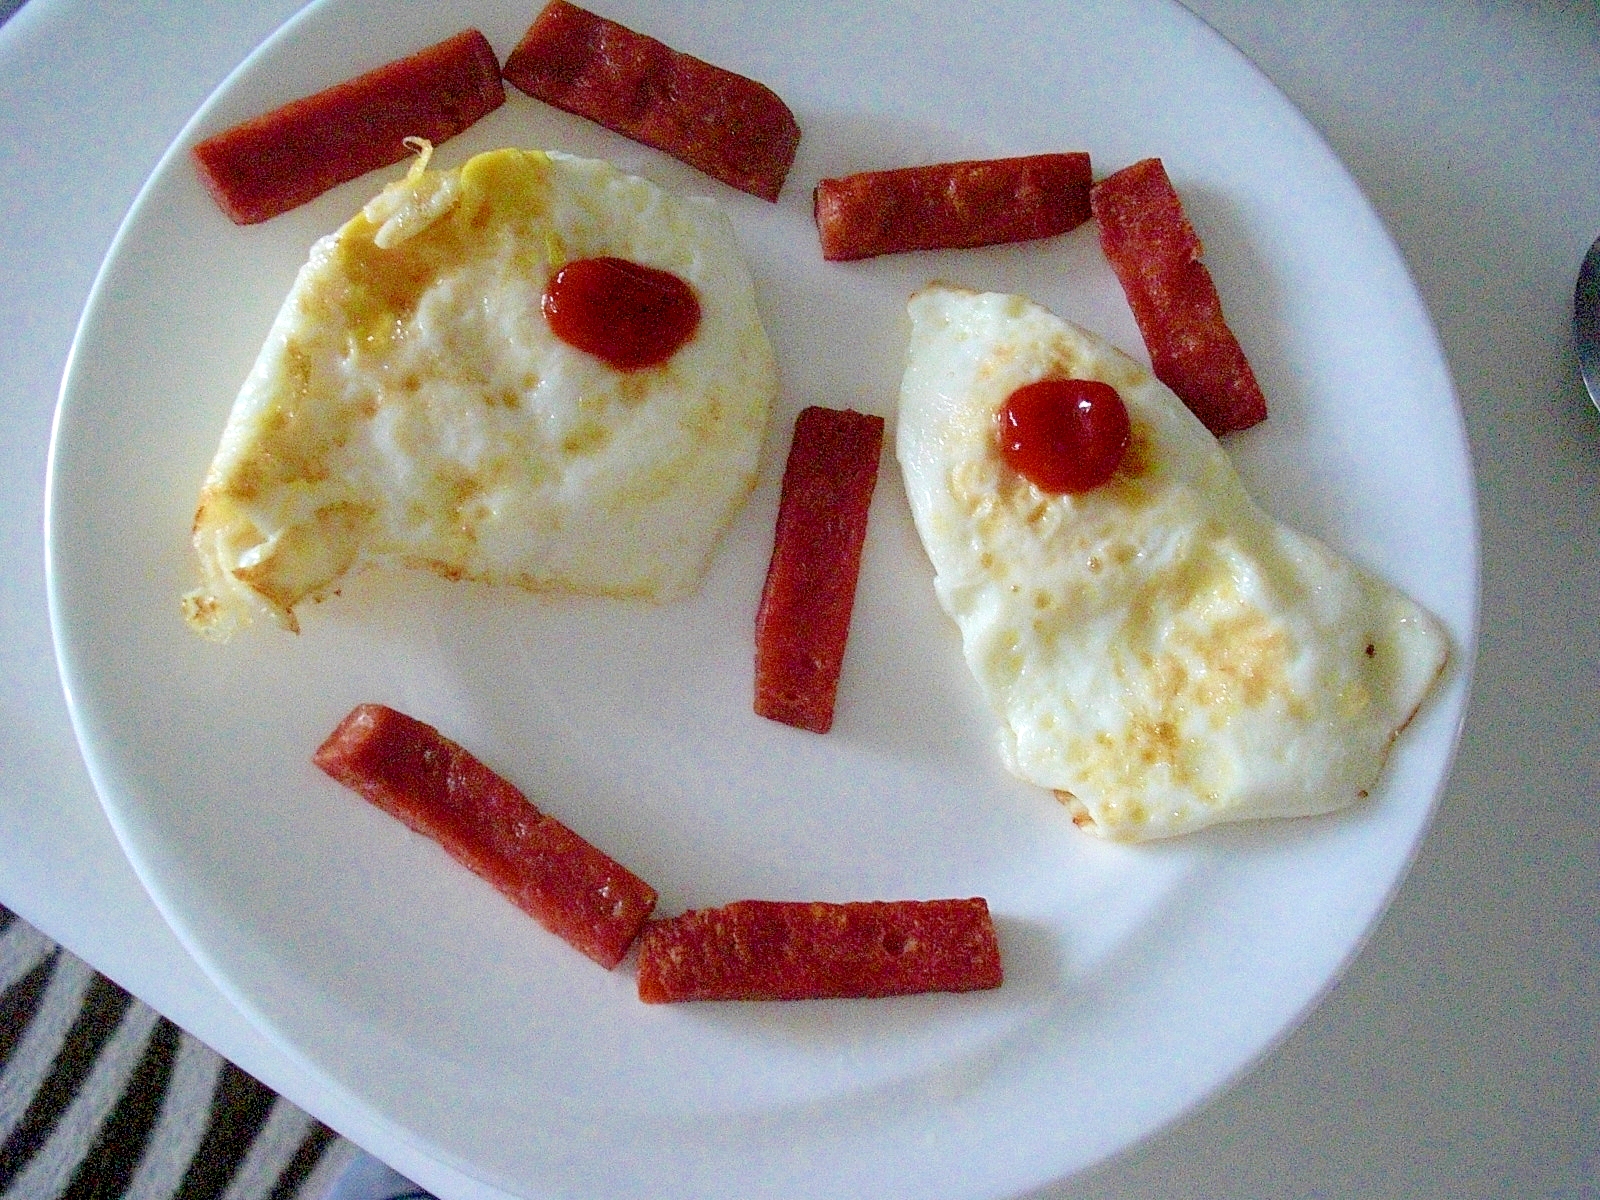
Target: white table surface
(1460, 1054)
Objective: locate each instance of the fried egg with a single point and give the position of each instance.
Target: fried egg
(412, 407)
(1159, 652)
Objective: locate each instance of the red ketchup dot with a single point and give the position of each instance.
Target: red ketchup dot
(627, 314)
(1065, 435)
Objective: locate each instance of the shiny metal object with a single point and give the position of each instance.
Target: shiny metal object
(1586, 321)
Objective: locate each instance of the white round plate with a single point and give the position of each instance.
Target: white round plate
(1138, 979)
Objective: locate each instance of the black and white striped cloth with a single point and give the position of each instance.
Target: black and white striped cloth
(101, 1098)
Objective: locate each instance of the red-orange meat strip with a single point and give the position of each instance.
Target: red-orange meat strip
(952, 205)
(281, 159)
(732, 128)
(777, 950)
(803, 621)
(1155, 253)
(415, 773)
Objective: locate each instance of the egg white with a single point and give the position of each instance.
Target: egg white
(1159, 652)
(412, 407)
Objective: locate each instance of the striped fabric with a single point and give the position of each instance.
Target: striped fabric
(103, 1099)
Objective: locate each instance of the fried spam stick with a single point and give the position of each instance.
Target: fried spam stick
(1155, 253)
(953, 205)
(732, 128)
(281, 159)
(784, 950)
(803, 620)
(415, 773)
